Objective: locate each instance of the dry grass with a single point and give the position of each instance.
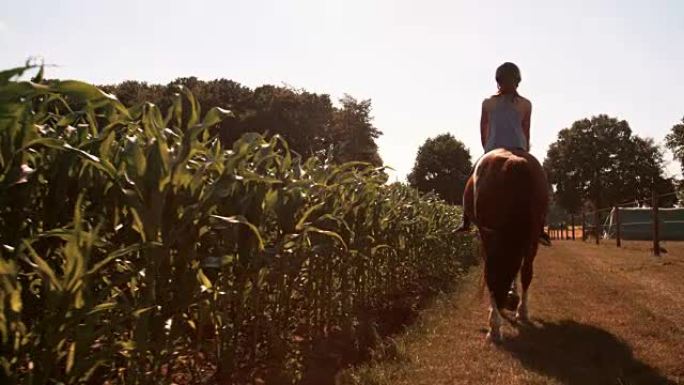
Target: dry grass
(600, 315)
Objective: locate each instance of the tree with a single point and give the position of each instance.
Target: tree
(442, 165)
(675, 142)
(600, 160)
(308, 121)
(352, 133)
(302, 118)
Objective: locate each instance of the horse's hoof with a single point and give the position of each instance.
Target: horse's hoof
(521, 316)
(494, 338)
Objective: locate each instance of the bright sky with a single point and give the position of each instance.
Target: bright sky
(425, 64)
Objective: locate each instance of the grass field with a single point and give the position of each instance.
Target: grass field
(599, 315)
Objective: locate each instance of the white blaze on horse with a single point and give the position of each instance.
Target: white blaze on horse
(507, 198)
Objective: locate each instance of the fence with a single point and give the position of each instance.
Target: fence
(593, 226)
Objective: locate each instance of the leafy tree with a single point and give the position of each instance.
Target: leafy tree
(442, 165)
(131, 92)
(308, 121)
(302, 118)
(600, 160)
(556, 215)
(675, 142)
(352, 134)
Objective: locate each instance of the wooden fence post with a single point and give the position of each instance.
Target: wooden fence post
(597, 219)
(572, 223)
(656, 232)
(618, 234)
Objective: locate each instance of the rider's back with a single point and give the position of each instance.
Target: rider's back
(505, 116)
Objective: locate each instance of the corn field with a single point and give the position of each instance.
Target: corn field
(137, 248)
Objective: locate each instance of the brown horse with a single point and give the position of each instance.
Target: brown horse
(507, 199)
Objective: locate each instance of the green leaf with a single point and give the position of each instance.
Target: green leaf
(102, 307)
(89, 92)
(138, 225)
(82, 153)
(307, 213)
(15, 301)
(43, 267)
(239, 219)
(70, 357)
(47, 142)
(39, 76)
(194, 107)
(139, 312)
(110, 258)
(327, 233)
(375, 249)
(6, 75)
(202, 278)
(127, 345)
(106, 145)
(215, 116)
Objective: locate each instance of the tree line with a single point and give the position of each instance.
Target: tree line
(596, 162)
(310, 123)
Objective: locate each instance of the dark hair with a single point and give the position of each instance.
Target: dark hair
(508, 78)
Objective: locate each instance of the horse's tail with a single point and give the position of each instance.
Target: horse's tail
(520, 177)
(509, 244)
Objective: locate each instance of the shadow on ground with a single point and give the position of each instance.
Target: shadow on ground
(330, 355)
(575, 353)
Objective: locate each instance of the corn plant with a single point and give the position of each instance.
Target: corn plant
(138, 248)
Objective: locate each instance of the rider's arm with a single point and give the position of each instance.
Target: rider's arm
(527, 117)
(484, 125)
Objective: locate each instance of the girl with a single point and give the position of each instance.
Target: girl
(505, 120)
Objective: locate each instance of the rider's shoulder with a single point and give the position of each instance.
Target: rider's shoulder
(525, 100)
(489, 101)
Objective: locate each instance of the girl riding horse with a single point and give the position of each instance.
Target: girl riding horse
(505, 122)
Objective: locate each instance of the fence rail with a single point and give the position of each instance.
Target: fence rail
(568, 230)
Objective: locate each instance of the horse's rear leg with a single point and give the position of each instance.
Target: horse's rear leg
(494, 334)
(525, 279)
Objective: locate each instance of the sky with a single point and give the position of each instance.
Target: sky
(426, 65)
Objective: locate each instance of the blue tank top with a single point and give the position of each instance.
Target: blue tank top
(505, 127)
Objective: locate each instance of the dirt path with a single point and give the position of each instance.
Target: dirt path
(599, 315)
